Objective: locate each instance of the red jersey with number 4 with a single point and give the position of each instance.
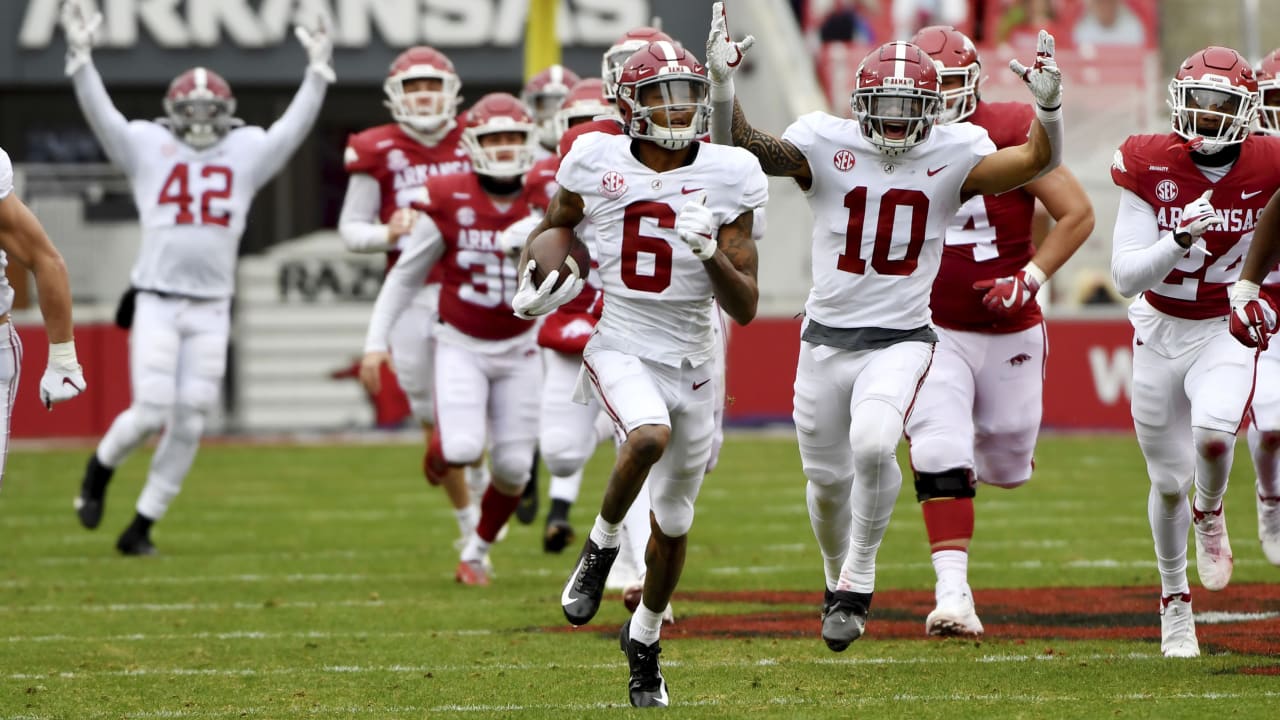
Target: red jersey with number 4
(1159, 170)
(990, 237)
(401, 165)
(478, 280)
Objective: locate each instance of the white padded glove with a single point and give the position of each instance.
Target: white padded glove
(696, 225)
(1043, 77)
(531, 302)
(723, 54)
(319, 46)
(1197, 217)
(63, 378)
(80, 22)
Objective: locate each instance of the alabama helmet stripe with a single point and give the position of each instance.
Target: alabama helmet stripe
(668, 51)
(900, 59)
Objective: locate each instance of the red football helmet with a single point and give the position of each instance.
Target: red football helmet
(662, 77)
(1268, 74)
(543, 94)
(1214, 98)
(615, 57)
(955, 56)
(422, 110)
(586, 101)
(200, 107)
(499, 113)
(896, 97)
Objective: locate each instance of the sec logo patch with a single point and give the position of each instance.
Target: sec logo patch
(1167, 190)
(843, 161)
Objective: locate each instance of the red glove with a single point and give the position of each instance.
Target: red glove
(1008, 295)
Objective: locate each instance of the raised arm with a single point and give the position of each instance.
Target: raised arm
(80, 22)
(287, 133)
(777, 157)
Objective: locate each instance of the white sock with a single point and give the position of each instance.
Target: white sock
(467, 517)
(1169, 525)
(951, 566)
(605, 534)
(646, 625)
(477, 479)
(476, 549)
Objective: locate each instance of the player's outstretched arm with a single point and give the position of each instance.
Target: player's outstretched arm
(724, 56)
(1016, 166)
(290, 129)
(777, 156)
(22, 237)
(80, 21)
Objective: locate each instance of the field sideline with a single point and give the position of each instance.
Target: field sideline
(315, 581)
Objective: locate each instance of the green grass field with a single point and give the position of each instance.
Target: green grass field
(316, 582)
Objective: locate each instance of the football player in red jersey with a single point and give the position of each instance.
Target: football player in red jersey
(388, 165)
(487, 371)
(991, 340)
(883, 186)
(1264, 412)
(1189, 203)
(544, 94)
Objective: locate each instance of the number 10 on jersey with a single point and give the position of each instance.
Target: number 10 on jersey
(887, 232)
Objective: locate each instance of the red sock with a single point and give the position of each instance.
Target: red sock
(495, 510)
(949, 522)
(434, 466)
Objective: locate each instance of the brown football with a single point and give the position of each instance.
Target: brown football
(558, 248)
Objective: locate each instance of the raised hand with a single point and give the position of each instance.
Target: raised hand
(80, 22)
(1043, 77)
(1253, 316)
(1197, 217)
(319, 46)
(696, 225)
(723, 54)
(532, 301)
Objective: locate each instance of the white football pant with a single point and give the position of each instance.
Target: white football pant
(1264, 430)
(567, 433)
(10, 370)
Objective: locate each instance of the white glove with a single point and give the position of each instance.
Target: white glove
(1253, 317)
(80, 22)
(63, 379)
(1043, 77)
(723, 54)
(513, 239)
(1197, 217)
(696, 225)
(531, 302)
(319, 46)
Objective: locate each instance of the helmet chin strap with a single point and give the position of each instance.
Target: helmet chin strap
(1225, 155)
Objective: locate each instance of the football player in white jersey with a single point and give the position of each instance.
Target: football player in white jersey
(673, 221)
(194, 174)
(882, 186)
(22, 238)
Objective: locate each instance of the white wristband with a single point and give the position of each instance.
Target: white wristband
(63, 354)
(1244, 291)
(1034, 271)
(722, 92)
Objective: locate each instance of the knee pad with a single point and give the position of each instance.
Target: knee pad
(826, 467)
(674, 515)
(1269, 440)
(563, 453)
(151, 417)
(1009, 470)
(461, 449)
(875, 428)
(187, 423)
(510, 466)
(953, 483)
(1212, 444)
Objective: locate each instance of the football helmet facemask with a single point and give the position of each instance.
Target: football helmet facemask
(1214, 98)
(425, 111)
(1268, 75)
(662, 94)
(896, 97)
(499, 113)
(200, 108)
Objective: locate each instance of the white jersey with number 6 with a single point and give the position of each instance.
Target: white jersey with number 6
(192, 203)
(879, 222)
(658, 294)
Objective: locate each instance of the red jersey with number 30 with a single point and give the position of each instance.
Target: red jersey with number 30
(990, 237)
(478, 279)
(1158, 169)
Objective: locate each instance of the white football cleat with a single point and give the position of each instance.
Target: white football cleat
(954, 615)
(1213, 548)
(1178, 627)
(1269, 528)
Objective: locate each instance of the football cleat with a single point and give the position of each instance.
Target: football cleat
(582, 593)
(954, 615)
(558, 534)
(647, 686)
(1213, 548)
(844, 617)
(1178, 627)
(1269, 528)
(93, 489)
(472, 572)
(527, 510)
(132, 542)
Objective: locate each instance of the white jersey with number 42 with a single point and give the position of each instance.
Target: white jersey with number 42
(657, 292)
(879, 222)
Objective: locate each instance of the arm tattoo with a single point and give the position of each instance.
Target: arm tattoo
(739, 248)
(777, 157)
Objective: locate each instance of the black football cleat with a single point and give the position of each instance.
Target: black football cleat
(93, 490)
(585, 588)
(558, 534)
(844, 617)
(132, 543)
(527, 510)
(647, 686)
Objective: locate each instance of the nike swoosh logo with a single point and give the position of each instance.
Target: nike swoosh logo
(931, 173)
(67, 381)
(565, 598)
(688, 190)
(700, 384)
(1246, 196)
